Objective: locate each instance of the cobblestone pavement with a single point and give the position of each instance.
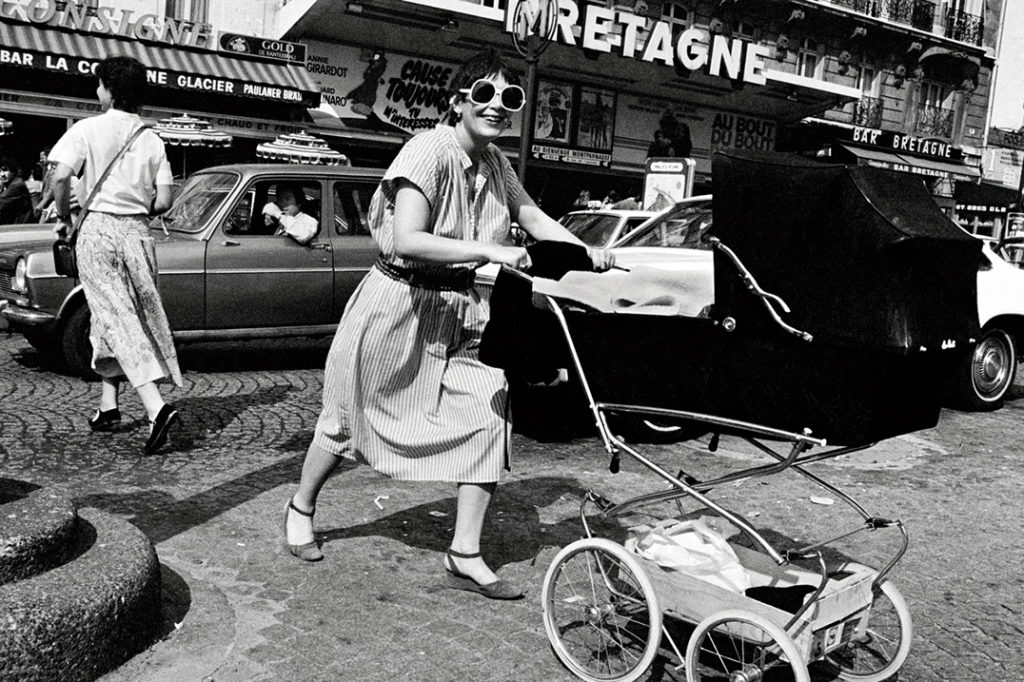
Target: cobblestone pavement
(238, 608)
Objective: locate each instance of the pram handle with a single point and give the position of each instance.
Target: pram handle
(768, 299)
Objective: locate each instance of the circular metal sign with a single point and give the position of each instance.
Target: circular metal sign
(533, 26)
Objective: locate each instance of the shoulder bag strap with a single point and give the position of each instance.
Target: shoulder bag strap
(96, 188)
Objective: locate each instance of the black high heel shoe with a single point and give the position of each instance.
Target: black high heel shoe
(105, 420)
(499, 589)
(160, 427)
(307, 551)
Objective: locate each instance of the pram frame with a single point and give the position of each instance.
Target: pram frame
(682, 485)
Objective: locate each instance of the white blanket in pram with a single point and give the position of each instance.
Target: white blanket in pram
(643, 290)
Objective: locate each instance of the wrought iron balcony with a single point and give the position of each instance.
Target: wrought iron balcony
(867, 112)
(924, 15)
(901, 11)
(917, 13)
(967, 28)
(862, 6)
(935, 121)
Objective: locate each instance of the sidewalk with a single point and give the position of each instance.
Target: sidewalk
(375, 608)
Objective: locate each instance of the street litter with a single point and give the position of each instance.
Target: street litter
(438, 514)
(822, 500)
(377, 500)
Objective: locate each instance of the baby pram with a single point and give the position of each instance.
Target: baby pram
(842, 298)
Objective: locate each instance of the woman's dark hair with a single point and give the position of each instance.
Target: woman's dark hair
(480, 65)
(125, 78)
(12, 164)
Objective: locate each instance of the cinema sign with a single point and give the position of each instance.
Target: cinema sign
(610, 29)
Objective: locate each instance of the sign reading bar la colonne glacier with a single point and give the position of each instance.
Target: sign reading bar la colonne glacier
(608, 29)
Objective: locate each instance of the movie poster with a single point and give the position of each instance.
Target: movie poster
(596, 120)
(380, 89)
(553, 113)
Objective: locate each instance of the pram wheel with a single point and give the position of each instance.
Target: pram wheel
(737, 645)
(878, 652)
(600, 612)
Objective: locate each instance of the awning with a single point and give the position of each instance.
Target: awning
(911, 164)
(949, 66)
(210, 72)
(985, 197)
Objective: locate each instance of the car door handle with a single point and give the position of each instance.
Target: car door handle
(230, 242)
(322, 245)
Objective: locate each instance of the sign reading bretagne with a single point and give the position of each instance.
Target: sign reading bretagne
(612, 29)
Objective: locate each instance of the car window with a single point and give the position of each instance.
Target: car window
(593, 229)
(351, 206)
(246, 217)
(683, 226)
(198, 200)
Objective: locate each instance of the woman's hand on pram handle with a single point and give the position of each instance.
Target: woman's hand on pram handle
(603, 259)
(513, 256)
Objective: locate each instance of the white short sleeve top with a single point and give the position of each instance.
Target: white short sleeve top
(131, 186)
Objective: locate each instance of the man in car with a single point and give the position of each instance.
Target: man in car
(289, 216)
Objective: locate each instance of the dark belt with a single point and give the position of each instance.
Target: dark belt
(454, 279)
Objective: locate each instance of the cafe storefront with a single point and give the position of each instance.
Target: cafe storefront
(48, 55)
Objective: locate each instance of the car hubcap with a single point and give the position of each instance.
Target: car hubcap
(991, 368)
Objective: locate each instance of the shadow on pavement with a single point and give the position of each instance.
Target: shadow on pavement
(160, 516)
(513, 531)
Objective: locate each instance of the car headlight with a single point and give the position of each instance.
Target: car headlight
(19, 283)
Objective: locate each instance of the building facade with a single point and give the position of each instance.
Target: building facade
(902, 84)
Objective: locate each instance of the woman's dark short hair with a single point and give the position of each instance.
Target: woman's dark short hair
(125, 78)
(481, 65)
(12, 164)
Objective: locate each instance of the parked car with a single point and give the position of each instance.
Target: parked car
(603, 227)
(1011, 249)
(223, 274)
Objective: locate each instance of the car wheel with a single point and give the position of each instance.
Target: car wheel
(47, 344)
(75, 344)
(986, 375)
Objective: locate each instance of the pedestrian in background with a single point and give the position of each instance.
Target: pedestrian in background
(130, 336)
(15, 198)
(404, 388)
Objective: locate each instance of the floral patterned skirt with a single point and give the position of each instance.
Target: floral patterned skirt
(130, 334)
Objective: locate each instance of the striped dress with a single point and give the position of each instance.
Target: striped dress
(404, 389)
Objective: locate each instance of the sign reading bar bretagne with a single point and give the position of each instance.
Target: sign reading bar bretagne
(605, 29)
(104, 20)
(900, 143)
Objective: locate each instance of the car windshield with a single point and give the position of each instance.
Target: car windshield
(1013, 252)
(197, 201)
(682, 226)
(593, 229)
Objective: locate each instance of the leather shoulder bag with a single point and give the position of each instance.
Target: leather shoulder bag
(65, 262)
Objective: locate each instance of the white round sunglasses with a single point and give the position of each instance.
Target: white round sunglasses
(482, 92)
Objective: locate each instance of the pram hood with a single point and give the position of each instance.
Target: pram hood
(861, 255)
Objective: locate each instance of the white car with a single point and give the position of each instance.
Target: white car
(987, 377)
(603, 227)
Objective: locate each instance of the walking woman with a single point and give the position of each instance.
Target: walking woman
(404, 389)
(116, 260)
